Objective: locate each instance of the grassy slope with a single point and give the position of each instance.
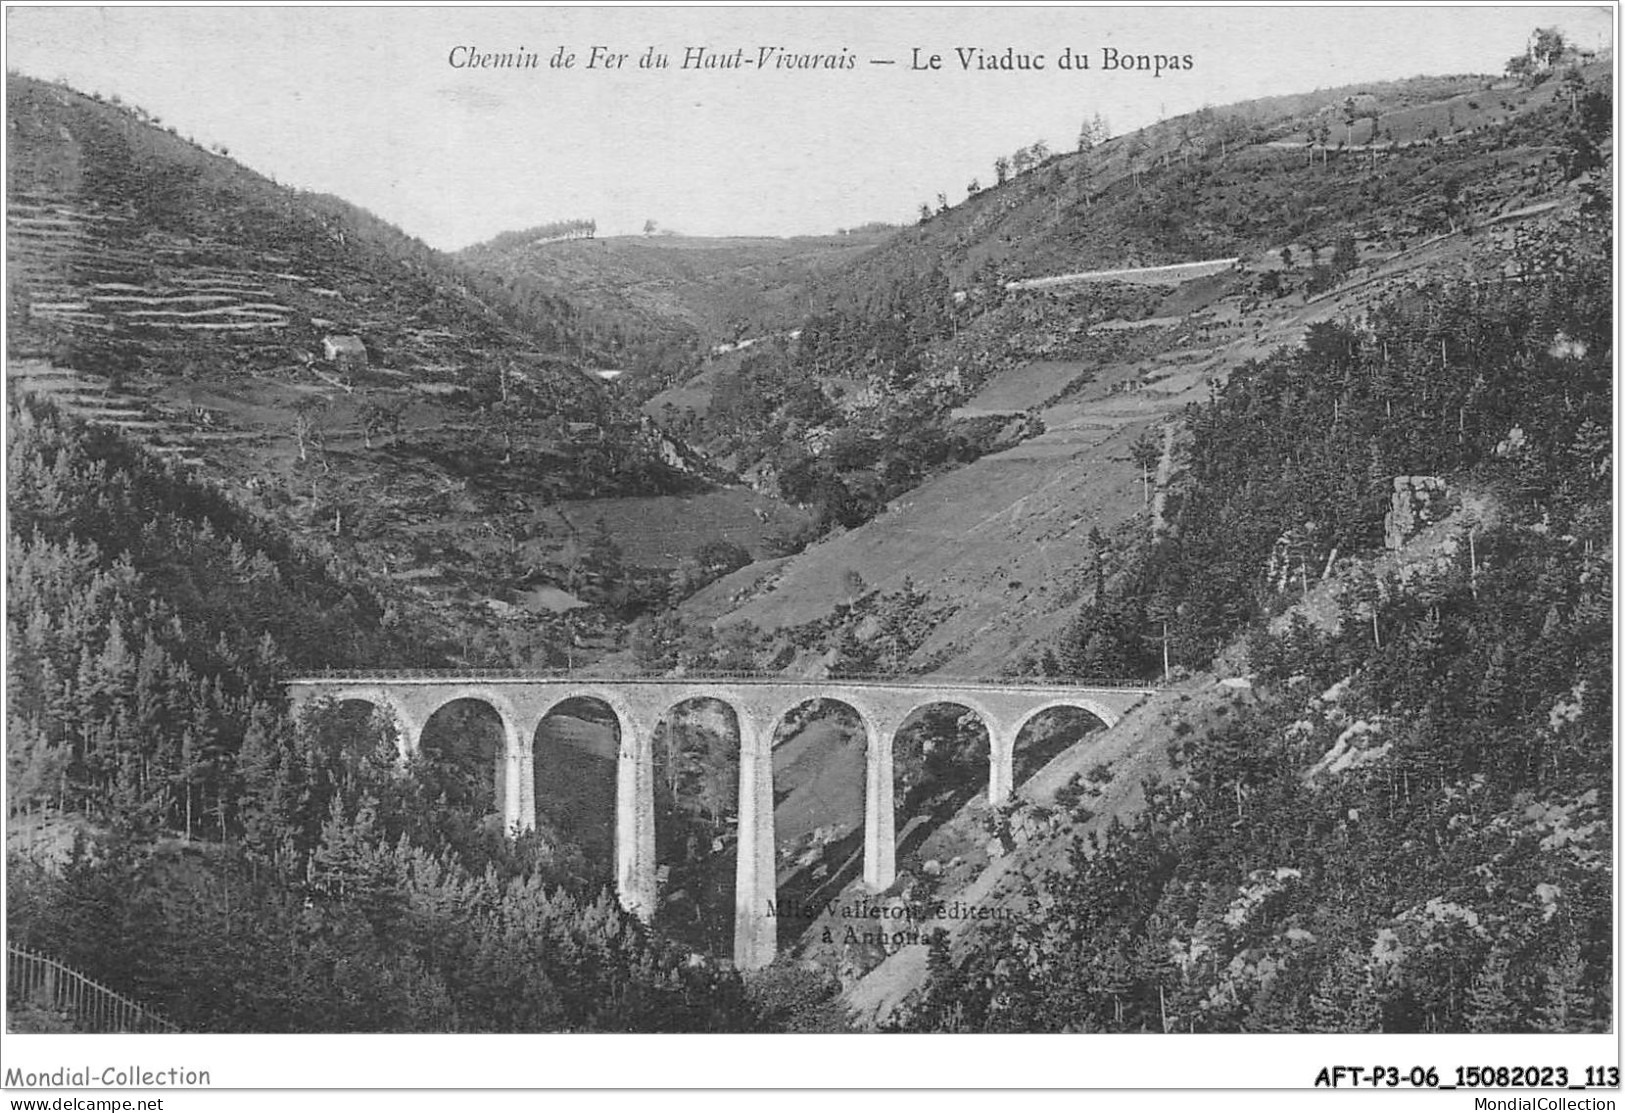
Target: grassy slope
(1107, 208)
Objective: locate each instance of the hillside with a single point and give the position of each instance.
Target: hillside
(1354, 824)
(134, 249)
(242, 871)
(1346, 816)
(682, 288)
(1247, 909)
(415, 414)
(1246, 179)
(1089, 548)
(1389, 165)
(1092, 374)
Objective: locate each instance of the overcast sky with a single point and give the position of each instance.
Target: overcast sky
(364, 102)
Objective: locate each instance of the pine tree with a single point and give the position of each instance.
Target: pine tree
(1565, 1006)
(1490, 1006)
(1345, 998)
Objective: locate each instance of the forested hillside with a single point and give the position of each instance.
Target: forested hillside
(244, 872)
(1501, 383)
(154, 619)
(1410, 828)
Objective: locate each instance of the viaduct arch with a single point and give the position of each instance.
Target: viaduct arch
(760, 705)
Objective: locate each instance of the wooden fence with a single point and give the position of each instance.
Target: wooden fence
(45, 982)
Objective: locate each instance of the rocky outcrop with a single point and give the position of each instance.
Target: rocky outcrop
(1418, 502)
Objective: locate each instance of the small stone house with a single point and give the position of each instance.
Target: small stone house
(346, 351)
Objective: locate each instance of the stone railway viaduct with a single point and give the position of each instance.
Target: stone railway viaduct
(760, 704)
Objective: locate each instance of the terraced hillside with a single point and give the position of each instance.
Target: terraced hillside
(132, 249)
(410, 412)
(93, 399)
(157, 294)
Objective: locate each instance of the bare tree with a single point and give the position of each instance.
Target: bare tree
(1146, 454)
(1137, 146)
(305, 425)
